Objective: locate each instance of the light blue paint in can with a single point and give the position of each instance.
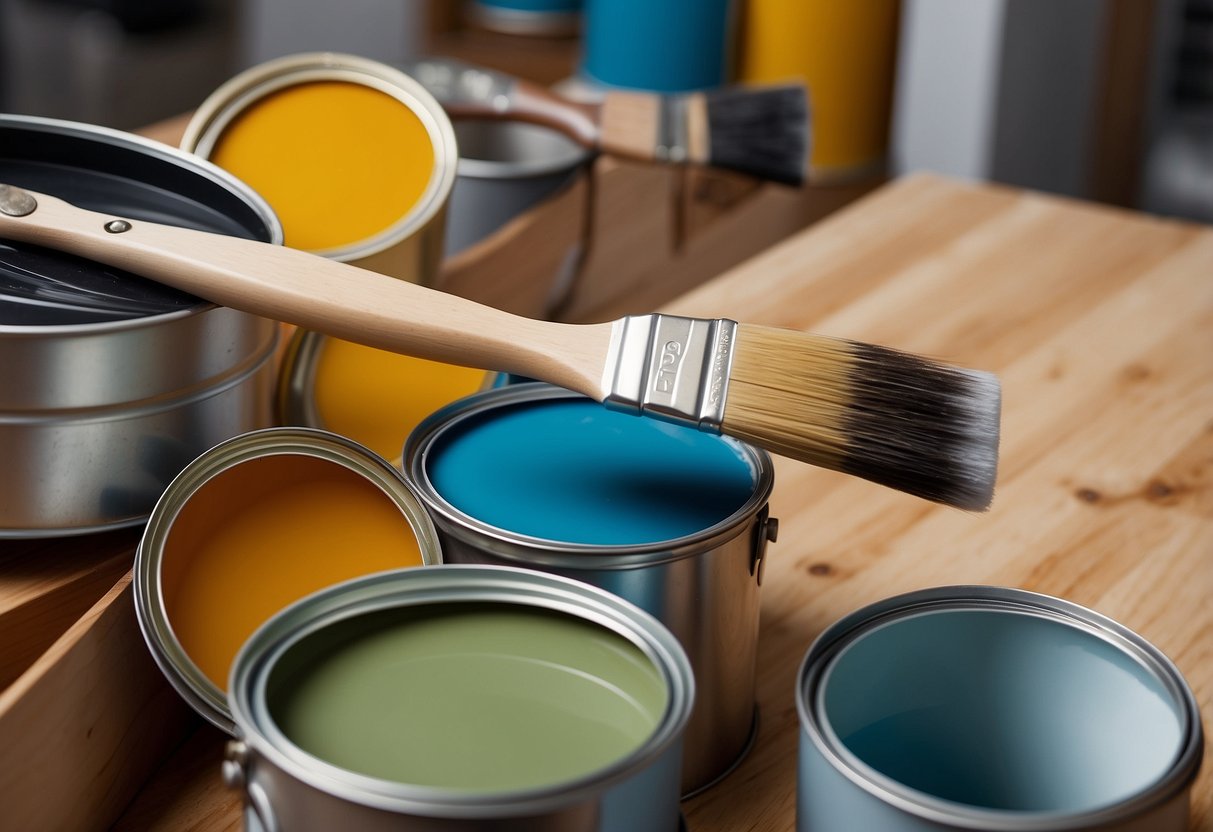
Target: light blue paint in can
(670, 518)
(982, 708)
(658, 45)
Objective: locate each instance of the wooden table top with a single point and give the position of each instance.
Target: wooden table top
(1100, 324)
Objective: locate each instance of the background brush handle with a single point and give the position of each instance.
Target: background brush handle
(467, 91)
(324, 295)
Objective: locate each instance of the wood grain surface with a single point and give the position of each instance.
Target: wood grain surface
(1100, 324)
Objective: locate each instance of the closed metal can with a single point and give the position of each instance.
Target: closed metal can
(483, 657)
(670, 518)
(251, 526)
(984, 708)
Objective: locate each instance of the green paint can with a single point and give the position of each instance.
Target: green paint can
(460, 698)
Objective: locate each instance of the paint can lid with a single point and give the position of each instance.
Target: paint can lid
(113, 173)
(212, 564)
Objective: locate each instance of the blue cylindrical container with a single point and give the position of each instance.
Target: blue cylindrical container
(658, 45)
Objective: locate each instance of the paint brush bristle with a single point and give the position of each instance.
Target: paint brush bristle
(759, 131)
(890, 417)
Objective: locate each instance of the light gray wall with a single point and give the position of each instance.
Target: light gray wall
(384, 30)
(1003, 90)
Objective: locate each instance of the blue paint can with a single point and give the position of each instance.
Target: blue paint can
(670, 518)
(983, 708)
(663, 46)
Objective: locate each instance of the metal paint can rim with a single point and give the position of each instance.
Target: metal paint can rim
(180, 670)
(846, 631)
(160, 151)
(554, 553)
(525, 22)
(572, 157)
(452, 583)
(234, 96)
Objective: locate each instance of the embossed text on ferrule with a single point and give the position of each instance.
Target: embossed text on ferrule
(666, 377)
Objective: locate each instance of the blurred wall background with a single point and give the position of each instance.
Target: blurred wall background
(1100, 99)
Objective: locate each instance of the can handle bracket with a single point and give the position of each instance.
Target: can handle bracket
(765, 531)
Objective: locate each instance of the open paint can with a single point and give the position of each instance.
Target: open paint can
(461, 698)
(110, 384)
(251, 526)
(356, 157)
(372, 396)
(672, 519)
(506, 168)
(982, 708)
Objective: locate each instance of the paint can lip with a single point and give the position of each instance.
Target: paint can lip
(541, 551)
(452, 584)
(846, 631)
(231, 99)
(568, 156)
(160, 151)
(182, 673)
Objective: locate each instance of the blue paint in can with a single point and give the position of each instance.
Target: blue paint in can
(572, 471)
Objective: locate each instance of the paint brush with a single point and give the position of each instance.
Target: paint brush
(918, 426)
(762, 131)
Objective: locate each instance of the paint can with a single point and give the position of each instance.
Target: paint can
(672, 519)
(671, 46)
(251, 526)
(984, 708)
(537, 18)
(356, 157)
(516, 700)
(846, 55)
(506, 168)
(111, 384)
(372, 396)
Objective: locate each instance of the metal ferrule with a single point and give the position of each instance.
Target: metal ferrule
(672, 141)
(670, 367)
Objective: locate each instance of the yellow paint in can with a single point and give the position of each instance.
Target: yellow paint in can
(377, 397)
(846, 54)
(338, 162)
(264, 533)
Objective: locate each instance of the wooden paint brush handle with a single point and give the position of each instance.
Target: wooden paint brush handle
(467, 91)
(316, 293)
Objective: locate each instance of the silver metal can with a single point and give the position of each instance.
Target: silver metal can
(287, 787)
(703, 585)
(984, 708)
(505, 168)
(251, 526)
(111, 384)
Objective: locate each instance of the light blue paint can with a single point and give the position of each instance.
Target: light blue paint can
(657, 45)
(670, 518)
(981, 708)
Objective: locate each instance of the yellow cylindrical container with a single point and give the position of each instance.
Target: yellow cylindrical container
(846, 53)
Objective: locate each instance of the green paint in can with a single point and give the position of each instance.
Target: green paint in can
(480, 697)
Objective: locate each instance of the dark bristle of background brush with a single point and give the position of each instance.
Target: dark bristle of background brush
(923, 428)
(762, 131)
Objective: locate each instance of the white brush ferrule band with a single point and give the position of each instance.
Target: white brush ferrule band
(671, 367)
